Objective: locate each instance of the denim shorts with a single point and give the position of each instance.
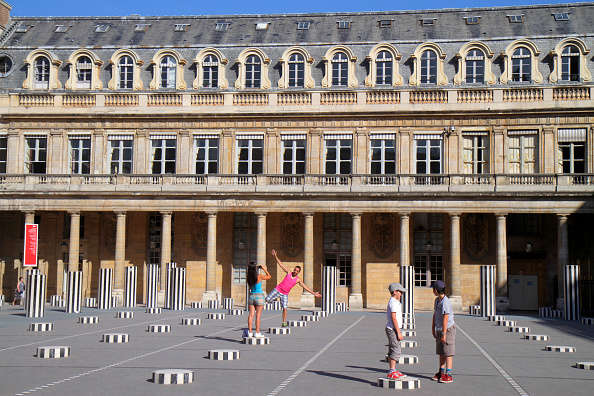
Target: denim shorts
(256, 299)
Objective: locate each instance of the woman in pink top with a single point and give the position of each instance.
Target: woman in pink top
(282, 289)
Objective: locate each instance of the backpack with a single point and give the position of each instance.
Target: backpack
(245, 333)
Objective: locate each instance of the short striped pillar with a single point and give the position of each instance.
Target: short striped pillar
(178, 289)
(152, 285)
(329, 278)
(90, 302)
(105, 288)
(131, 280)
(227, 303)
(571, 292)
(545, 312)
(169, 284)
(74, 292)
(487, 290)
(35, 294)
(407, 279)
(55, 300)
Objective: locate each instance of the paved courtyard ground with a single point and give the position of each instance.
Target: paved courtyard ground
(342, 354)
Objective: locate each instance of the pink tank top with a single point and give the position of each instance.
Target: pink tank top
(287, 284)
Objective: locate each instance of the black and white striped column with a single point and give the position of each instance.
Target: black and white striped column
(169, 284)
(131, 280)
(152, 285)
(74, 292)
(571, 291)
(105, 288)
(329, 277)
(407, 279)
(487, 290)
(35, 294)
(178, 289)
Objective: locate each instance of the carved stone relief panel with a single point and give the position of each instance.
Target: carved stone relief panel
(292, 237)
(476, 235)
(200, 239)
(110, 229)
(382, 234)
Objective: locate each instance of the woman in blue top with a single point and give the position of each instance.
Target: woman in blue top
(257, 298)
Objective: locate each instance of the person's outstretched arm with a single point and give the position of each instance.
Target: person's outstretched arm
(280, 263)
(304, 286)
(264, 277)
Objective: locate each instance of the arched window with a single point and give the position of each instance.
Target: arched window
(570, 63)
(521, 65)
(84, 72)
(475, 61)
(296, 71)
(210, 69)
(520, 60)
(475, 66)
(429, 67)
(383, 68)
(42, 72)
(252, 69)
(253, 72)
(125, 72)
(340, 65)
(210, 72)
(168, 71)
(340, 68)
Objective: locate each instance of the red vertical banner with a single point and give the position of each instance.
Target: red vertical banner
(30, 255)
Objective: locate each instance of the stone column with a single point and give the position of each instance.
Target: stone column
(501, 299)
(165, 247)
(261, 238)
(74, 243)
(404, 239)
(356, 297)
(307, 299)
(120, 256)
(562, 256)
(211, 259)
(454, 281)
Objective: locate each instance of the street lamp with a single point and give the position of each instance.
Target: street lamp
(334, 245)
(241, 244)
(429, 247)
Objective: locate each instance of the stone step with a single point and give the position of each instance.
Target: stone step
(115, 338)
(405, 359)
(223, 354)
(214, 304)
(88, 319)
(236, 312)
(405, 383)
(519, 329)
(159, 328)
(173, 377)
(585, 365)
(279, 330)
(588, 321)
(297, 323)
(559, 348)
(536, 337)
(53, 352)
(125, 315)
(409, 333)
(154, 310)
(320, 314)
(341, 307)
(408, 344)
(496, 318)
(256, 340)
(191, 321)
(309, 318)
(196, 305)
(408, 326)
(506, 323)
(41, 326)
(216, 316)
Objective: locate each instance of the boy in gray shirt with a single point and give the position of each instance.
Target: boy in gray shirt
(443, 328)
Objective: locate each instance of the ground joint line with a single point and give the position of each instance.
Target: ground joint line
(310, 361)
(505, 375)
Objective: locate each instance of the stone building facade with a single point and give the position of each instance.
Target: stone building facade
(440, 139)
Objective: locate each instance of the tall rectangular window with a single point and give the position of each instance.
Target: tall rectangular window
(125, 72)
(245, 242)
(80, 155)
(250, 152)
(3, 153)
(163, 151)
(340, 69)
(294, 155)
(572, 150)
(523, 151)
(206, 149)
(383, 155)
(338, 244)
(121, 154)
(210, 72)
(84, 69)
(475, 67)
(35, 154)
(296, 71)
(338, 154)
(428, 248)
(428, 67)
(521, 65)
(475, 153)
(428, 152)
(253, 72)
(383, 64)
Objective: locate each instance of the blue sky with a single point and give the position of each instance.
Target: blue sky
(225, 7)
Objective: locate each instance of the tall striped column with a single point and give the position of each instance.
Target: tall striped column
(131, 280)
(168, 283)
(35, 294)
(407, 279)
(74, 292)
(178, 289)
(152, 285)
(571, 292)
(329, 277)
(487, 290)
(105, 288)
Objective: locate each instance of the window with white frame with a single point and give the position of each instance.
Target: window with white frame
(384, 64)
(206, 149)
(475, 66)
(428, 67)
(523, 151)
(42, 72)
(338, 244)
(245, 242)
(428, 154)
(572, 150)
(383, 154)
(253, 71)
(296, 66)
(570, 63)
(428, 231)
(5, 65)
(125, 72)
(250, 154)
(35, 154)
(521, 65)
(80, 154)
(340, 70)
(210, 72)
(475, 152)
(3, 153)
(221, 27)
(339, 154)
(293, 154)
(163, 151)
(84, 70)
(168, 69)
(303, 25)
(121, 150)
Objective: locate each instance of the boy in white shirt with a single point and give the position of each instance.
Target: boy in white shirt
(394, 314)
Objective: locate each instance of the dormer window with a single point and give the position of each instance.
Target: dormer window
(181, 27)
(141, 27)
(428, 21)
(221, 27)
(302, 25)
(516, 18)
(262, 25)
(344, 24)
(474, 20)
(23, 28)
(561, 16)
(62, 28)
(386, 23)
(101, 28)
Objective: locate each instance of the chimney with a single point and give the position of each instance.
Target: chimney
(4, 14)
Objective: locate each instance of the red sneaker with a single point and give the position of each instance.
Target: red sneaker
(401, 374)
(395, 375)
(446, 378)
(437, 376)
